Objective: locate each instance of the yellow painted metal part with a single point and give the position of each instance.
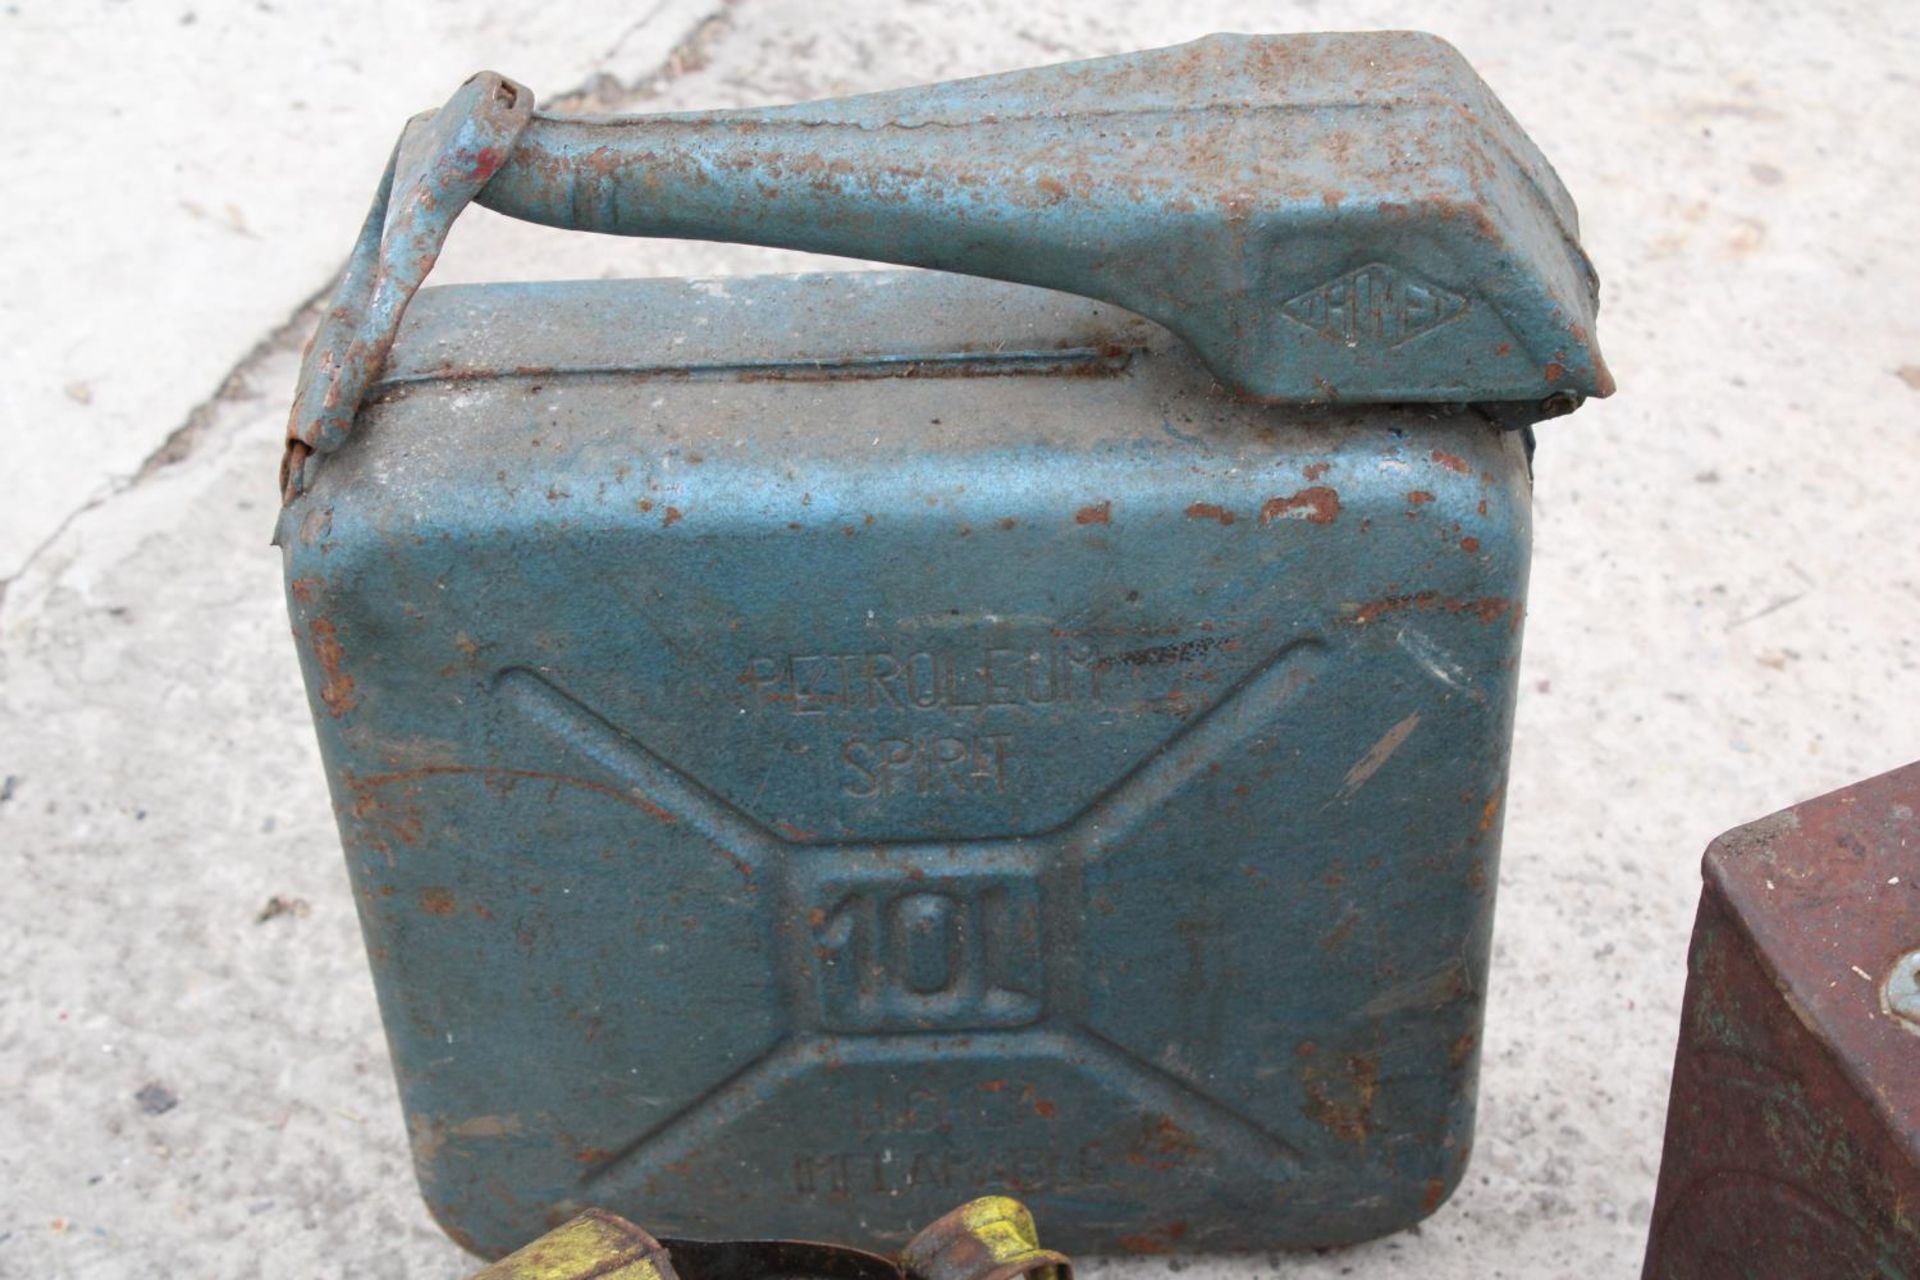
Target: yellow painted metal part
(1003, 1225)
(596, 1245)
(992, 1238)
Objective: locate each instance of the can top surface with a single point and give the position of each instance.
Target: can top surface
(796, 340)
(792, 328)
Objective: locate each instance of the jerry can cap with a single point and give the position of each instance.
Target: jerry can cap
(1341, 218)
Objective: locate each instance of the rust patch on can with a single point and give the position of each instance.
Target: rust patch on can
(1095, 513)
(1342, 1105)
(1158, 1240)
(336, 686)
(1489, 811)
(316, 525)
(1318, 505)
(1461, 1050)
(1485, 608)
(1451, 461)
(370, 806)
(1164, 1145)
(1209, 511)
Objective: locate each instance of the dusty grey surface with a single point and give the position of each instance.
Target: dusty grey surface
(1727, 575)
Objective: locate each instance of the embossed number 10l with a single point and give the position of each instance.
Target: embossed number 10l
(942, 956)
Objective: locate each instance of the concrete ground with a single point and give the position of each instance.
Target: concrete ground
(1727, 573)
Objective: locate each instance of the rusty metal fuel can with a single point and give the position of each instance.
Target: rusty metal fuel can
(810, 750)
(1793, 1131)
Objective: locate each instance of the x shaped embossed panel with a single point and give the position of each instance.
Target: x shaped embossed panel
(908, 953)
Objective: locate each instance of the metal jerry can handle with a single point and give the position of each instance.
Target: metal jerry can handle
(1328, 218)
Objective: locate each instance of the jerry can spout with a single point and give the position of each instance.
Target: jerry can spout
(1349, 219)
(1340, 218)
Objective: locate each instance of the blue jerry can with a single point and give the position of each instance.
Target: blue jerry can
(810, 750)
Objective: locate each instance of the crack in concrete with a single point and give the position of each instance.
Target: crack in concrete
(605, 92)
(41, 548)
(183, 440)
(601, 92)
(235, 387)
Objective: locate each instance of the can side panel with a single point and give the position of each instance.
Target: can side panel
(528, 953)
(787, 809)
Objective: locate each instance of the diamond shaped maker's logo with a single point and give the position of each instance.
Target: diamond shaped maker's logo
(1375, 306)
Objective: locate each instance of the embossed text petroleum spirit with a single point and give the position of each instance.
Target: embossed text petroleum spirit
(930, 679)
(948, 758)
